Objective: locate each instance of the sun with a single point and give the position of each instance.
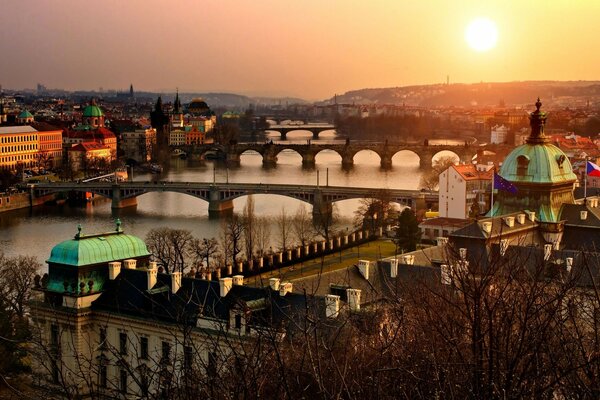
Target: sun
(481, 34)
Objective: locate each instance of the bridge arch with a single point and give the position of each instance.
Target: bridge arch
(328, 150)
(368, 151)
(409, 152)
(444, 153)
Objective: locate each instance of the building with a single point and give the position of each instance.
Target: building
(93, 117)
(19, 146)
(177, 136)
(113, 324)
(139, 145)
(464, 190)
(88, 156)
(499, 134)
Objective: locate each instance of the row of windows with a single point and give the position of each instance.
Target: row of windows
(21, 157)
(19, 138)
(22, 147)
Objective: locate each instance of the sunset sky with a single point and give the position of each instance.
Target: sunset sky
(308, 48)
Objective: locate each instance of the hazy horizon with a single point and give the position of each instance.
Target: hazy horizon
(304, 49)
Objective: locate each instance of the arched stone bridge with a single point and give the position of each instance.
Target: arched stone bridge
(220, 196)
(308, 152)
(315, 129)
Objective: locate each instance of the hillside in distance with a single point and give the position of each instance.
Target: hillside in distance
(477, 94)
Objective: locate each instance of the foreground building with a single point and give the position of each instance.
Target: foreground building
(113, 324)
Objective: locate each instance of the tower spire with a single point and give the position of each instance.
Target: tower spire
(537, 121)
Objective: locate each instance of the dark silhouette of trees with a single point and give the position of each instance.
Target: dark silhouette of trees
(408, 234)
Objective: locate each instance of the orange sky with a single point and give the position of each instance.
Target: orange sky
(308, 48)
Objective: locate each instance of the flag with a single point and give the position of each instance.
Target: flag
(502, 184)
(592, 169)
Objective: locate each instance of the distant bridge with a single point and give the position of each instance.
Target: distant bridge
(308, 152)
(220, 196)
(315, 129)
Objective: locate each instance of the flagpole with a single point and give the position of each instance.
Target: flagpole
(585, 181)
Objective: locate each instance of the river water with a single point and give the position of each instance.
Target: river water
(35, 232)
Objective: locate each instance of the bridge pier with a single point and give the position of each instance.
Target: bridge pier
(119, 202)
(308, 160)
(347, 161)
(322, 209)
(386, 162)
(269, 159)
(283, 135)
(233, 159)
(315, 133)
(218, 208)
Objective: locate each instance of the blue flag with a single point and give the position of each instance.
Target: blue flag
(502, 184)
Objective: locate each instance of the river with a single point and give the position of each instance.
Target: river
(35, 232)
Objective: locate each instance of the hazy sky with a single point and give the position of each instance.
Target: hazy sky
(306, 48)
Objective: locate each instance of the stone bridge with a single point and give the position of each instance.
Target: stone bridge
(220, 196)
(315, 129)
(308, 152)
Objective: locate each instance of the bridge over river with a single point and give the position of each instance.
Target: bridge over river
(220, 196)
(347, 151)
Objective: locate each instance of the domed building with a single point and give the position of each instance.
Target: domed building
(541, 172)
(25, 117)
(198, 107)
(93, 116)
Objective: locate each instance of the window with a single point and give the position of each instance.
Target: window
(102, 339)
(54, 335)
(522, 165)
(103, 375)
(123, 381)
(188, 356)
(238, 321)
(123, 343)
(144, 348)
(211, 366)
(166, 352)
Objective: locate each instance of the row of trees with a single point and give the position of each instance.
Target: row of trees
(242, 235)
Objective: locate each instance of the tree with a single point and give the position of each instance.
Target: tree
(263, 235)
(374, 212)
(284, 229)
(170, 247)
(232, 235)
(408, 234)
(17, 277)
(249, 221)
(431, 178)
(204, 250)
(326, 224)
(302, 225)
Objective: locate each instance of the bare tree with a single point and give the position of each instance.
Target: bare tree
(284, 229)
(170, 247)
(263, 235)
(249, 221)
(16, 281)
(204, 250)
(302, 226)
(232, 235)
(374, 212)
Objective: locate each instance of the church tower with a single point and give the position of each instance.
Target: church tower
(177, 117)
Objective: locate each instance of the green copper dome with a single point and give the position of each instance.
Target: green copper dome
(537, 163)
(92, 111)
(97, 249)
(25, 114)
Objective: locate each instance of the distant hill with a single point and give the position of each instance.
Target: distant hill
(476, 94)
(231, 100)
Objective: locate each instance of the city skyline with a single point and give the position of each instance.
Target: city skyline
(306, 50)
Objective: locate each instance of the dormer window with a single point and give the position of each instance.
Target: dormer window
(560, 160)
(522, 165)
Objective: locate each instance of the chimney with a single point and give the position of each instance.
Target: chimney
(547, 251)
(238, 280)
(394, 268)
(531, 215)
(152, 273)
(353, 296)
(442, 241)
(332, 306)
(129, 264)
(274, 283)
(583, 215)
(175, 281)
(503, 246)
(463, 253)
(487, 226)
(363, 267)
(114, 269)
(510, 221)
(569, 263)
(521, 218)
(408, 259)
(225, 285)
(445, 274)
(285, 288)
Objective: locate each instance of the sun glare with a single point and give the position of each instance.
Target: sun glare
(481, 34)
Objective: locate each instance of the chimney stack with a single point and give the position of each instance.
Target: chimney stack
(394, 268)
(238, 280)
(569, 262)
(274, 283)
(175, 281)
(363, 267)
(353, 299)
(152, 274)
(225, 285)
(285, 288)
(521, 219)
(332, 306)
(129, 264)
(114, 269)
